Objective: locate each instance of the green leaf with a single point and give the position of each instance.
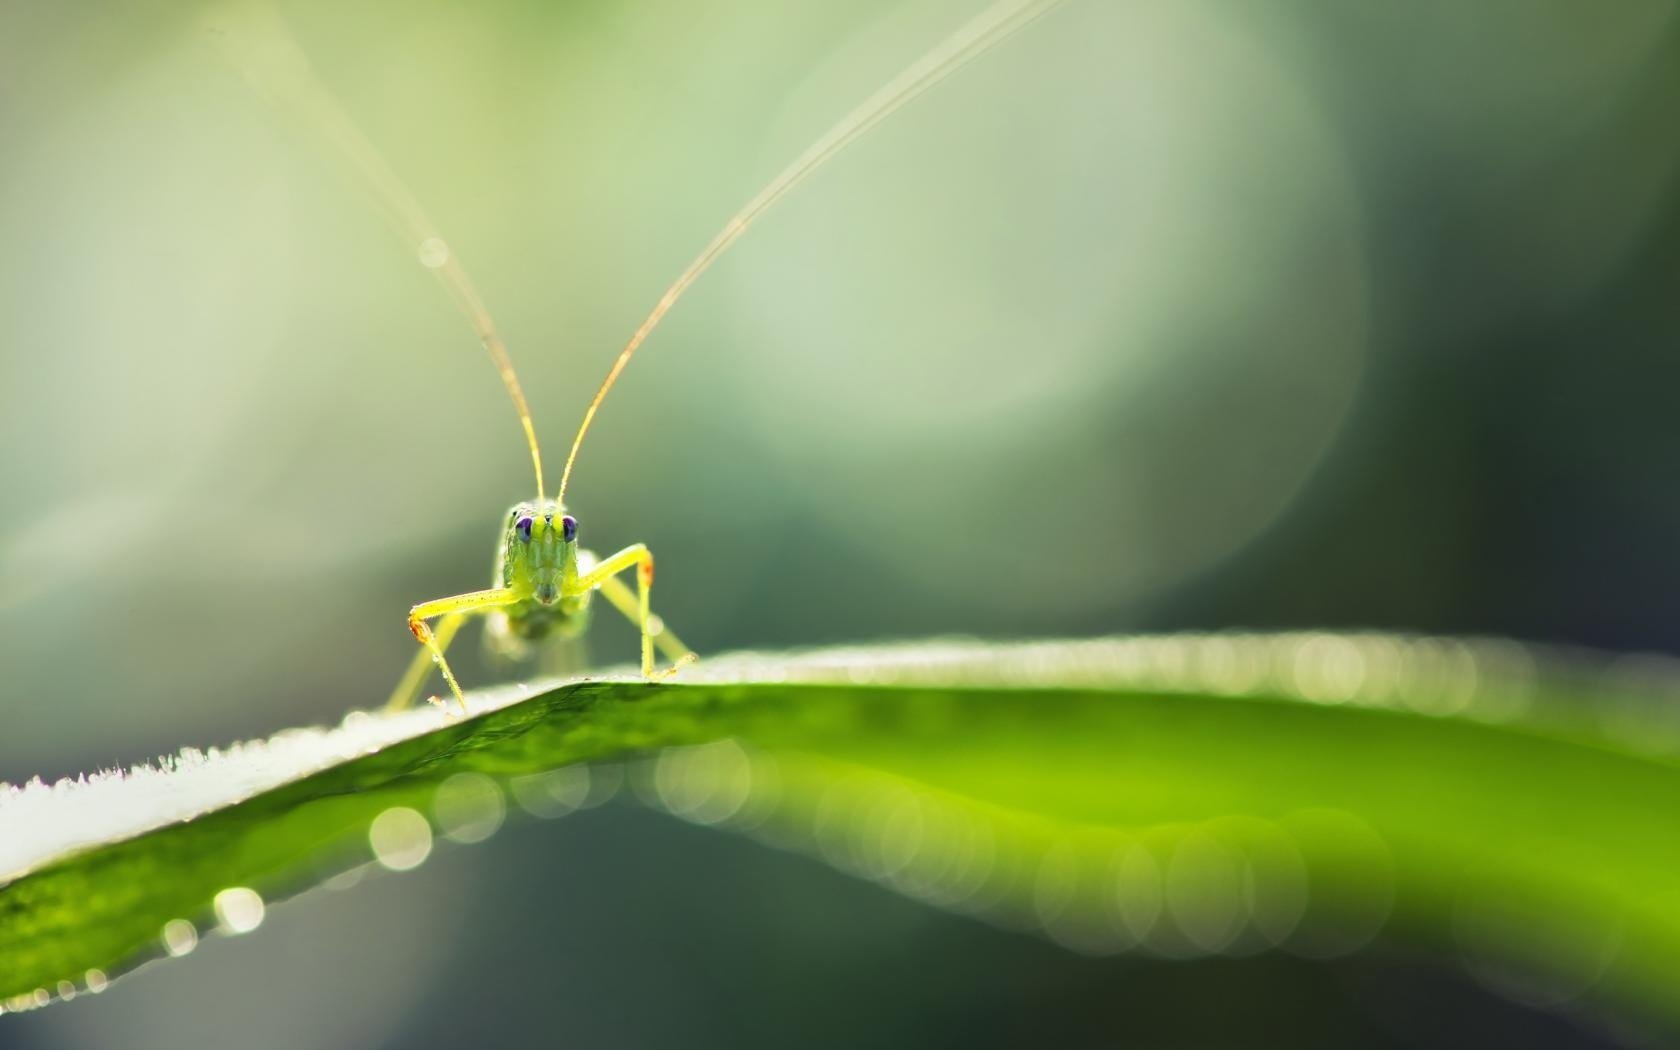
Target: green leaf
(1175, 796)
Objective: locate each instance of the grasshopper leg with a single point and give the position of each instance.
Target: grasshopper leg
(454, 609)
(613, 589)
(601, 575)
(408, 687)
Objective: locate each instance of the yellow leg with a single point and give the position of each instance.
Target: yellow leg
(614, 590)
(456, 607)
(408, 687)
(639, 556)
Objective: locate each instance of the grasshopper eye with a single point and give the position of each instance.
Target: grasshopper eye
(568, 528)
(523, 526)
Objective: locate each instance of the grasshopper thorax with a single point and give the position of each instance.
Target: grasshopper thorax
(539, 551)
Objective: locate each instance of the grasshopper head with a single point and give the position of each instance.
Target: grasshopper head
(541, 550)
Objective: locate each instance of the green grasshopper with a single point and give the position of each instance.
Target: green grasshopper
(543, 580)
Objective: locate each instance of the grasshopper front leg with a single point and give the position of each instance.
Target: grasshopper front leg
(603, 574)
(408, 687)
(455, 609)
(613, 589)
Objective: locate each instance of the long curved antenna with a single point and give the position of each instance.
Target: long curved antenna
(996, 24)
(259, 44)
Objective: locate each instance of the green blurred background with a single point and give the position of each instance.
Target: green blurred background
(1162, 315)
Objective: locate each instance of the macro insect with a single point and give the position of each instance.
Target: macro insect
(543, 581)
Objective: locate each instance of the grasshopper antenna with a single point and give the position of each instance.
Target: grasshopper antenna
(257, 41)
(990, 28)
